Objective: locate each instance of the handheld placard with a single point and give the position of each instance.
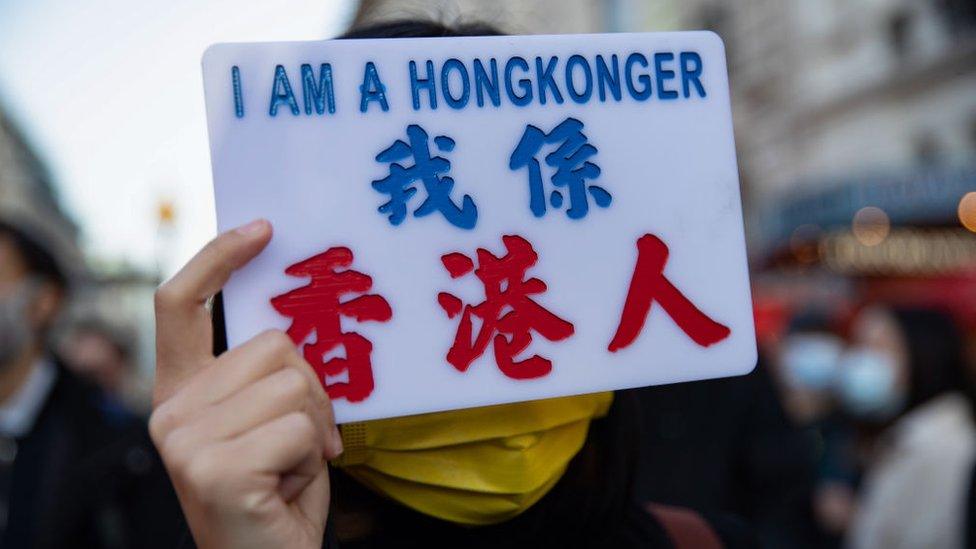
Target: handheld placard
(462, 222)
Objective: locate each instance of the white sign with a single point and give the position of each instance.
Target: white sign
(470, 221)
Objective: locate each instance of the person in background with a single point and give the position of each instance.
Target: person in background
(70, 475)
(904, 372)
(809, 368)
(808, 365)
(101, 352)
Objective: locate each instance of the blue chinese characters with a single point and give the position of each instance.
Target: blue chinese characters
(400, 186)
(571, 162)
(569, 159)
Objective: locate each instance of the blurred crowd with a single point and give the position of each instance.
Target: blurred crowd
(77, 468)
(883, 397)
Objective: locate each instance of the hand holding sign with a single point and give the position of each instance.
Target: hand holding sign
(245, 435)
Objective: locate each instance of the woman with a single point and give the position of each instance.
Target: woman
(905, 371)
(246, 436)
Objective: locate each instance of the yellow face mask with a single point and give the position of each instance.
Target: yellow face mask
(476, 466)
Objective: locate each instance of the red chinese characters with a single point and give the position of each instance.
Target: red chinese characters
(508, 314)
(318, 306)
(648, 285)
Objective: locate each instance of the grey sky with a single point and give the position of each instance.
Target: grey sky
(110, 92)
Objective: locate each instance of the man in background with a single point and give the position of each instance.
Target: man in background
(71, 474)
(101, 351)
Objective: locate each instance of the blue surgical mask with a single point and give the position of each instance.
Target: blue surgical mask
(811, 360)
(868, 386)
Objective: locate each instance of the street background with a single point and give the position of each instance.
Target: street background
(855, 128)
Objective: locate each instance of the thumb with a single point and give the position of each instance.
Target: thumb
(184, 337)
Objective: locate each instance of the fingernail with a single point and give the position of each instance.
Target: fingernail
(251, 228)
(336, 440)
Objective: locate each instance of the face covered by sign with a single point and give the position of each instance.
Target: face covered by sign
(462, 222)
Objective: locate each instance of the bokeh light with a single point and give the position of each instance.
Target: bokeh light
(871, 226)
(967, 211)
(804, 243)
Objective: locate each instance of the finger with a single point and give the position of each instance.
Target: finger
(293, 483)
(313, 500)
(322, 410)
(279, 446)
(183, 334)
(236, 369)
(239, 368)
(276, 395)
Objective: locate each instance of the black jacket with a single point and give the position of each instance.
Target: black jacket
(87, 475)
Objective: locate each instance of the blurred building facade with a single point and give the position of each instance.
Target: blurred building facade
(826, 88)
(828, 93)
(852, 111)
(25, 182)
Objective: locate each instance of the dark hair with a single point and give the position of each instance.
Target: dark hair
(406, 28)
(40, 262)
(935, 353)
(814, 319)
